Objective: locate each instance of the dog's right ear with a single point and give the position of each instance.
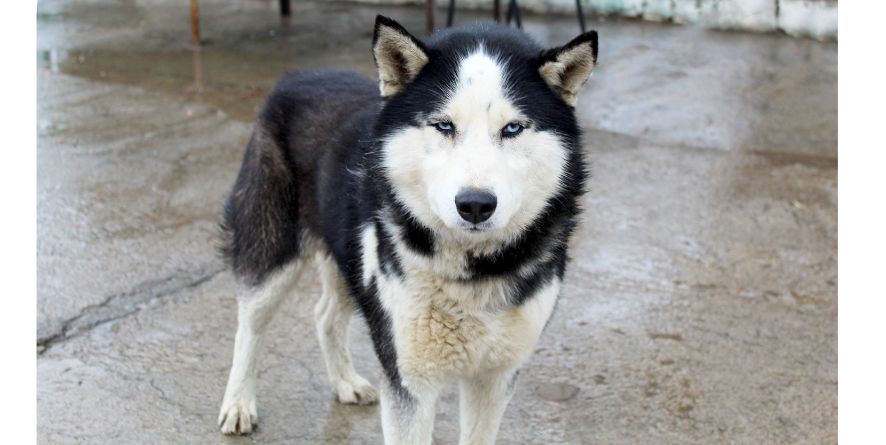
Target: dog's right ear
(398, 55)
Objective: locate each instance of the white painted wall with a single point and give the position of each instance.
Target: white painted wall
(754, 15)
(657, 9)
(812, 18)
(802, 17)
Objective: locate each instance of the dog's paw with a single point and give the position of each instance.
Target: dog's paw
(356, 391)
(238, 417)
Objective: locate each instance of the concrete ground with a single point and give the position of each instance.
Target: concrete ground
(700, 308)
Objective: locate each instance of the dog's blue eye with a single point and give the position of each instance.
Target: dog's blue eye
(512, 129)
(445, 127)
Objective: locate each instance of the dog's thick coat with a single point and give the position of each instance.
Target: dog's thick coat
(439, 210)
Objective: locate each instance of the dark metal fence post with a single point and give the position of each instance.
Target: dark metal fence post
(581, 16)
(285, 9)
(429, 15)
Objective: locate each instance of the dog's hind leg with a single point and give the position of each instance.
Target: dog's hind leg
(267, 246)
(332, 313)
(256, 307)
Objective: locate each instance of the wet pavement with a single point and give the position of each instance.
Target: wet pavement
(700, 308)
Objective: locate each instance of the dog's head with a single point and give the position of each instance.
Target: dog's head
(478, 135)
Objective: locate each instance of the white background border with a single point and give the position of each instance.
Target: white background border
(18, 232)
(862, 222)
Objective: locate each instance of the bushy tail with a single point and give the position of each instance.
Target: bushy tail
(260, 227)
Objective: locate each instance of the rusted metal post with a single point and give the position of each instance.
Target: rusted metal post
(429, 14)
(195, 22)
(285, 9)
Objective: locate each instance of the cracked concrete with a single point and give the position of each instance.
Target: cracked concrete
(115, 215)
(116, 307)
(700, 306)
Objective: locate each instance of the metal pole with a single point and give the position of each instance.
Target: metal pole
(581, 16)
(515, 10)
(285, 8)
(195, 22)
(429, 14)
(450, 13)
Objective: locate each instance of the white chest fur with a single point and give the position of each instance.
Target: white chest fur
(447, 328)
(439, 336)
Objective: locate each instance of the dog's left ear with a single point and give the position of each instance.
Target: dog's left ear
(567, 68)
(398, 55)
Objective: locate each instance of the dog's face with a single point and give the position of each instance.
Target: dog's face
(475, 133)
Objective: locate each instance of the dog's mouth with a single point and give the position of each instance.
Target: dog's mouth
(476, 228)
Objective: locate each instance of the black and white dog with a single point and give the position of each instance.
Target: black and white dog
(439, 210)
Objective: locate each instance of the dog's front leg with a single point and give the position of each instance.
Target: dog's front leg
(407, 416)
(483, 400)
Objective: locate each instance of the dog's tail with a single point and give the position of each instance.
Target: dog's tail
(260, 226)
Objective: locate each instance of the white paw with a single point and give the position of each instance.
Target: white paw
(356, 390)
(238, 417)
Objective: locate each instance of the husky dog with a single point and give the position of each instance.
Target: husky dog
(440, 210)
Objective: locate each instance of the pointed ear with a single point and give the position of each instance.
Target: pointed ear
(398, 55)
(567, 68)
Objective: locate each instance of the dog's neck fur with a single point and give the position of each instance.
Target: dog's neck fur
(488, 265)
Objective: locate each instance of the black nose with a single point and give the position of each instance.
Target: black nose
(475, 205)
